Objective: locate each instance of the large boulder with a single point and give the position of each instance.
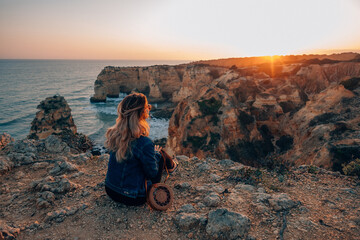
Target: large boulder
(225, 224)
(54, 116)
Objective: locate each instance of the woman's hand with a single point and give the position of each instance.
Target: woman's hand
(157, 148)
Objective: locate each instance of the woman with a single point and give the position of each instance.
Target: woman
(133, 156)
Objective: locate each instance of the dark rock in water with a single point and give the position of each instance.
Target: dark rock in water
(54, 116)
(5, 139)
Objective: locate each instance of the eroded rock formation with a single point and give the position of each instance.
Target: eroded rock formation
(159, 83)
(254, 110)
(54, 117)
(307, 117)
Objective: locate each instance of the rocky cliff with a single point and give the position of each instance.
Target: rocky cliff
(159, 83)
(254, 110)
(301, 118)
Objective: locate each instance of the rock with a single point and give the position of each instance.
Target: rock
(21, 152)
(262, 197)
(104, 157)
(182, 158)
(54, 145)
(187, 208)
(54, 116)
(224, 224)
(34, 226)
(8, 232)
(162, 83)
(214, 177)
(5, 164)
(40, 165)
(19, 175)
(186, 221)
(5, 139)
(41, 203)
(282, 201)
(207, 188)
(245, 187)
(212, 200)
(57, 185)
(63, 167)
(203, 167)
(184, 185)
(245, 116)
(61, 214)
(78, 174)
(226, 163)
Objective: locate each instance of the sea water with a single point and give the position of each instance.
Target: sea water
(25, 83)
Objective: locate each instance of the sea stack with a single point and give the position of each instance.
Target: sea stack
(54, 116)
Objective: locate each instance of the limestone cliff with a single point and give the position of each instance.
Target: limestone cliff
(159, 83)
(252, 109)
(252, 118)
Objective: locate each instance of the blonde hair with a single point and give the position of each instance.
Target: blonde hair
(130, 125)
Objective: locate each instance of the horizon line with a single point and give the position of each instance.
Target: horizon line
(357, 51)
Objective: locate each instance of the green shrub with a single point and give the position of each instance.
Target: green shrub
(352, 168)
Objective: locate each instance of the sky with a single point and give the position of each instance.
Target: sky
(176, 29)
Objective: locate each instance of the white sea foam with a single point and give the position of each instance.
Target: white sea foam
(158, 128)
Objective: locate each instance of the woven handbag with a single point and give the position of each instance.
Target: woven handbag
(160, 196)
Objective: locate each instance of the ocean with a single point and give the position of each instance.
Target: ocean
(25, 83)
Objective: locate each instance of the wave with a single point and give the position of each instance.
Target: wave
(16, 120)
(100, 108)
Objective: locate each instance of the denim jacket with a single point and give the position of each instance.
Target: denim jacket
(128, 176)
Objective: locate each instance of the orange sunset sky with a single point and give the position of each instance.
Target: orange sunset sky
(175, 30)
